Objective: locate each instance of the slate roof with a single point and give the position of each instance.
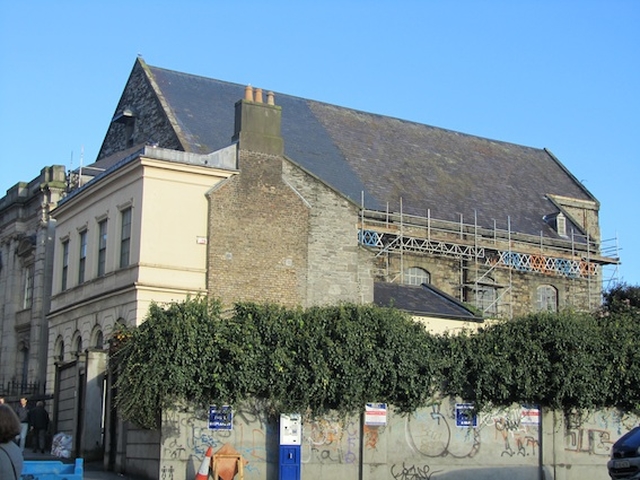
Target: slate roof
(448, 172)
(425, 300)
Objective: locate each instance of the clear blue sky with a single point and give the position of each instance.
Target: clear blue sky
(564, 75)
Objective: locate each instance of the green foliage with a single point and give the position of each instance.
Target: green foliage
(622, 298)
(341, 357)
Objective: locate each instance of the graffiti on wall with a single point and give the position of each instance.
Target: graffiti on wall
(434, 433)
(595, 433)
(413, 447)
(412, 472)
(187, 434)
(327, 440)
(519, 439)
(431, 433)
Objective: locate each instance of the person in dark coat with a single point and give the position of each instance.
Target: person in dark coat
(23, 415)
(39, 424)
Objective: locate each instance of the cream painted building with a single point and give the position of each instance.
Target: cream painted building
(134, 234)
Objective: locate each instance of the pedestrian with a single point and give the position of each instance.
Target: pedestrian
(39, 423)
(11, 459)
(23, 415)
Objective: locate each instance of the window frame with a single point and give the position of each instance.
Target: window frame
(29, 274)
(414, 276)
(102, 247)
(64, 277)
(544, 300)
(82, 256)
(126, 222)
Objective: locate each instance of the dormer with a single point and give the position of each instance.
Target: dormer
(558, 222)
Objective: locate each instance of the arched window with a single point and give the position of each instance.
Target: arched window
(416, 276)
(98, 341)
(78, 344)
(484, 296)
(59, 349)
(486, 299)
(546, 298)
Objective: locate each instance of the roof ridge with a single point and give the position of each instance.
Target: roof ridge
(351, 109)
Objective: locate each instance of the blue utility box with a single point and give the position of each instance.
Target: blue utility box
(290, 440)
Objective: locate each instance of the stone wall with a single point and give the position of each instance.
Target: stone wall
(338, 269)
(517, 290)
(277, 234)
(26, 252)
(258, 230)
(150, 125)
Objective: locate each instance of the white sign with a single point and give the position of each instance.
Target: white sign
(529, 416)
(375, 414)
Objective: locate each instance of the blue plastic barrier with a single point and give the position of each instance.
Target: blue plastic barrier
(52, 470)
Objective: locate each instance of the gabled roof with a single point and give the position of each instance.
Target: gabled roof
(423, 300)
(386, 159)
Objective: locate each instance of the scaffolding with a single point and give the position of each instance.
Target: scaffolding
(480, 251)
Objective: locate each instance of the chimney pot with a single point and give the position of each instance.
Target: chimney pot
(258, 95)
(271, 98)
(248, 93)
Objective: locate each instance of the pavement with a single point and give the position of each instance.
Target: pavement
(92, 470)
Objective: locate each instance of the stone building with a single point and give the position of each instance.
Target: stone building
(26, 253)
(204, 186)
(503, 227)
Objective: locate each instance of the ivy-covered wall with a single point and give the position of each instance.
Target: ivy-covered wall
(581, 371)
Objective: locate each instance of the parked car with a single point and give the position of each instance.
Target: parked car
(625, 457)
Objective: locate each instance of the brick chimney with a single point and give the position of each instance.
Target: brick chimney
(257, 124)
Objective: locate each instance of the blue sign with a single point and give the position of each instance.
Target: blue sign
(220, 418)
(466, 415)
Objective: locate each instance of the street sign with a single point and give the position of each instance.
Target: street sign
(220, 418)
(466, 415)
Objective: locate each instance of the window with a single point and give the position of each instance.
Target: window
(125, 238)
(416, 276)
(65, 264)
(547, 299)
(28, 287)
(561, 225)
(25, 364)
(78, 345)
(484, 296)
(59, 349)
(486, 299)
(98, 339)
(83, 256)
(102, 247)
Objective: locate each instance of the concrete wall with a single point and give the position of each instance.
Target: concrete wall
(507, 444)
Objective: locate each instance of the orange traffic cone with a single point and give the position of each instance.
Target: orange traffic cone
(203, 473)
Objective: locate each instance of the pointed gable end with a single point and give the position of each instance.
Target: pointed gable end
(142, 117)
